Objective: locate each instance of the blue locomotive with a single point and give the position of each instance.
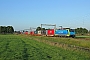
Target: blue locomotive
(65, 32)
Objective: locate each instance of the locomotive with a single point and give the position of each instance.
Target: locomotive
(65, 32)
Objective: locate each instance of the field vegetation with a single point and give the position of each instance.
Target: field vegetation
(26, 47)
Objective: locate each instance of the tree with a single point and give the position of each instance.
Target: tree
(43, 29)
(3, 29)
(39, 28)
(0, 29)
(8, 29)
(81, 30)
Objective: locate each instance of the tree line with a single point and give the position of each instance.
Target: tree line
(6, 30)
(81, 31)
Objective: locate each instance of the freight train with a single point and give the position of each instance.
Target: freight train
(65, 32)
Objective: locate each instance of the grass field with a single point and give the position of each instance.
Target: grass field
(23, 47)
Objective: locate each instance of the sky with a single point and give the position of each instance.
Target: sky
(23, 14)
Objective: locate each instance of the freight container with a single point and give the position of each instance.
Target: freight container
(50, 32)
(39, 32)
(31, 32)
(26, 33)
(22, 32)
(35, 32)
(43, 32)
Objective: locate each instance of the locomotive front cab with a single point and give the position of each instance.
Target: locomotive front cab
(68, 32)
(72, 33)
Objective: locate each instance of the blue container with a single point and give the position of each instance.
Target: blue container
(61, 32)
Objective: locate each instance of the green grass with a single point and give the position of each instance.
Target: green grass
(82, 37)
(16, 47)
(70, 41)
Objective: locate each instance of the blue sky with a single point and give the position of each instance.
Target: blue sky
(23, 14)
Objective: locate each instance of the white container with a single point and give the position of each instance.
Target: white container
(39, 32)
